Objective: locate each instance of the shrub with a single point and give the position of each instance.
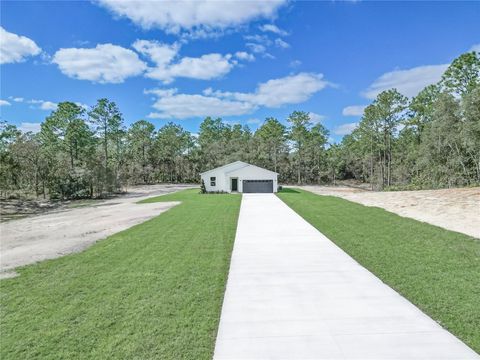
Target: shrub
(203, 189)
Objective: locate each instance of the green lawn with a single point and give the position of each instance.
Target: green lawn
(153, 291)
(436, 269)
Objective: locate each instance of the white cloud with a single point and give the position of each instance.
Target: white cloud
(345, 129)
(475, 47)
(106, 63)
(243, 55)
(291, 89)
(408, 82)
(83, 106)
(4, 103)
(254, 121)
(203, 16)
(48, 105)
(257, 38)
(183, 106)
(260, 43)
(43, 105)
(353, 110)
(17, 99)
(205, 67)
(30, 127)
(256, 48)
(282, 44)
(161, 92)
(161, 54)
(316, 118)
(273, 28)
(15, 48)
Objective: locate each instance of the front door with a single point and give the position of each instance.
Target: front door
(234, 184)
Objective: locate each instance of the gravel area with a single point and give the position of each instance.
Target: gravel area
(452, 209)
(60, 232)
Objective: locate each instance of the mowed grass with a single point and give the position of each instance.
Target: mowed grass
(436, 269)
(151, 292)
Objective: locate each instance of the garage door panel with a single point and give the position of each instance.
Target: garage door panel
(258, 186)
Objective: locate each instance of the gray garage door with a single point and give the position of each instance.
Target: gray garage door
(257, 186)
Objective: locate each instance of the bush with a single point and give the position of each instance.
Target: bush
(203, 189)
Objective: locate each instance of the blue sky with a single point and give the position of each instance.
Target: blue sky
(242, 61)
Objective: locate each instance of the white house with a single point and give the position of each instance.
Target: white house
(242, 177)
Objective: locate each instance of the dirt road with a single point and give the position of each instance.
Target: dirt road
(452, 209)
(58, 233)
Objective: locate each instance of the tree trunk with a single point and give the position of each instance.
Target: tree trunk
(371, 163)
(275, 158)
(298, 173)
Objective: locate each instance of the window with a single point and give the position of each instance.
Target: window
(213, 180)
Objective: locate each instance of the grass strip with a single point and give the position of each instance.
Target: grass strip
(153, 291)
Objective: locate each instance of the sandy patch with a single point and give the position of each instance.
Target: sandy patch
(452, 209)
(54, 234)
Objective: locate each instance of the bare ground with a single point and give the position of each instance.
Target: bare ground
(452, 209)
(66, 230)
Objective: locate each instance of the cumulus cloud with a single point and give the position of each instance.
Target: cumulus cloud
(256, 48)
(48, 105)
(243, 55)
(261, 39)
(345, 129)
(4, 103)
(205, 67)
(43, 105)
(167, 67)
(274, 93)
(281, 44)
(292, 89)
(30, 127)
(408, 82)
(316, 118)
(201, 16)
(353, 110)
(16, 48)
(181, 106)
(259, 44)
(106, 63)
(273, 28)
(161, 54)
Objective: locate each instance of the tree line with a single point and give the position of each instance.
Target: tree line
(432, 140)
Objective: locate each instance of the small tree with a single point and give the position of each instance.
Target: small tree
(203, 189)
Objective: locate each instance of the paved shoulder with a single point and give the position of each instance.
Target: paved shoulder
(293, 294)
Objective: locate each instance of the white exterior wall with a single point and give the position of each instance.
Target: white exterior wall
(220, 180)
(245, 171)
(252, 173)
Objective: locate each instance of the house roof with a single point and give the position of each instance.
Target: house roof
(250, 165)
(234, 166)
(228, 167)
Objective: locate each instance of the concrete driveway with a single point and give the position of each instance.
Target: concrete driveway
(58, 233)
(293, 294)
